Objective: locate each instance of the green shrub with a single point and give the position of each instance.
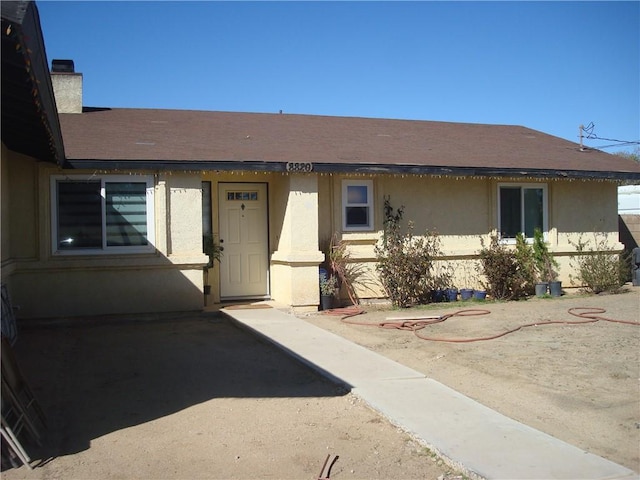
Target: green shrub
(598, 268)
(625, 266)
(212, 248)
(405, 261)
(350, 274)
(506, 280)
(526, 264)
(546, 266)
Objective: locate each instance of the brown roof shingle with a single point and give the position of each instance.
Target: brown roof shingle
(158, 136)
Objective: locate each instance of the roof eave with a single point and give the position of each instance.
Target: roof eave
(368, 169)
(24, 58)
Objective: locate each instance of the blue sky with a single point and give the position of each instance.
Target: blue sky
(550, 66)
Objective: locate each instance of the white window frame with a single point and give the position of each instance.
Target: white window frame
(545, 207)
(346, 204)
(105, 249)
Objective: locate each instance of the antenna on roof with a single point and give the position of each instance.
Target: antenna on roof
(580, 130)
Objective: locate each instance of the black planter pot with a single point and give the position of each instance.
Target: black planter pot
(555, 289)
(541, 289)
(326, 302)
(438, 295)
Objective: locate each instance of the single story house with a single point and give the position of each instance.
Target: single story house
(112, 218)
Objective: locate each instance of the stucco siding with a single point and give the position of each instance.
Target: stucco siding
(580, 208)
(464, 211)
(278, 196)
(294, 265)
(453, 208)
(61, 292)
(460, 211)
(45, 283)
(303, 211)
(597, 204)
(19, 214)
(181, 215)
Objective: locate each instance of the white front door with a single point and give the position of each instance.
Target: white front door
(244, 266)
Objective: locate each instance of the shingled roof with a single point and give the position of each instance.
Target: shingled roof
(204, 140)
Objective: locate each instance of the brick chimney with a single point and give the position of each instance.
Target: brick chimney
(67, 86)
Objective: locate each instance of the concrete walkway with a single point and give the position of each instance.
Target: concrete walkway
(478, 440)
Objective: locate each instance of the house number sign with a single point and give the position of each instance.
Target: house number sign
(299, 167)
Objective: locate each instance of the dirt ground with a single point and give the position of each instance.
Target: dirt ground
(579, 383)
(192, 396)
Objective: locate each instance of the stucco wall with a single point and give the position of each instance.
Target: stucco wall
(44, 284)
(296, 260)
(19, 194)
(19, 211)
(101, 289)
(580, 207)
(171, 279)
(462, 211)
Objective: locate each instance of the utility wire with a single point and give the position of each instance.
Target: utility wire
(592, 136)
(625, 144)
(595, 137)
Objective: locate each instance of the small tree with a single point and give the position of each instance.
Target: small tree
(526, 264)
(405, 261)
(545, 264)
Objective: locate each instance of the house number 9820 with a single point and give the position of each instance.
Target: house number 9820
(299, 166)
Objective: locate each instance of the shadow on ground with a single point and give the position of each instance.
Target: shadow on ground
(94, 378)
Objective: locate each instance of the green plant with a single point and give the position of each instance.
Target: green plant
(328, 285)
(469, 274)
(526, 263)
(212, 248)
(599, 269)
(443, 275)
(546, 265)
(404, 261)
(499, 264)
(351, 274)
(626, 257)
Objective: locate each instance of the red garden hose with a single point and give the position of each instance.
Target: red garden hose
(589, 315)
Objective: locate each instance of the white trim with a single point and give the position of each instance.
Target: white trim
(368, 204)
(524, 186)
(105, 250)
